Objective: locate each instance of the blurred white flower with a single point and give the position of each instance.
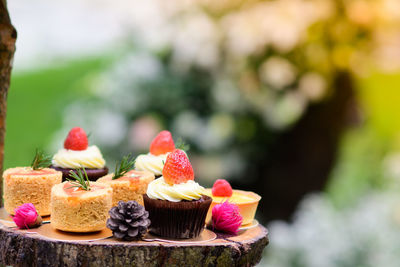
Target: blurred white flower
(110, 127)
(222, 124)
(322, 235)
(187, 125)
(226, 95)
(278, 72)
(196, 41)
(313, 86)
(285, 110)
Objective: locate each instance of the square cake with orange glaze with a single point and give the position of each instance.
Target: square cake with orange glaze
(246, 201)
(131, 186)
(27, 185)
(74, 209)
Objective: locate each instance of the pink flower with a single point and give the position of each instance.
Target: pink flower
(25, 216)
(226, 217)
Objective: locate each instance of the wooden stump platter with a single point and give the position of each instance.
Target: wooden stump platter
(27, 248)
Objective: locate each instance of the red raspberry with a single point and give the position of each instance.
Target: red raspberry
(177, 168)
(76, 139)
(222, 188)
(162, 143)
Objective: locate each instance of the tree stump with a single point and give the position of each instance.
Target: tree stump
(18, 248)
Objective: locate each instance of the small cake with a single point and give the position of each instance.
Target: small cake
(77, 154)
(246, 201)
(154, 161)
(130, 186)
(30, 185)
(75, 209)
(175, 202)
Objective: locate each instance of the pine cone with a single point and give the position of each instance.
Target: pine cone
(128, 220)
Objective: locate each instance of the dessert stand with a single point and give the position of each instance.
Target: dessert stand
(27, 248)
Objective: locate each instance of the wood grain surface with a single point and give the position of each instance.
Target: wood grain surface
(21, 248)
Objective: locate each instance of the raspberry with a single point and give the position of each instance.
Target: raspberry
(222, 188)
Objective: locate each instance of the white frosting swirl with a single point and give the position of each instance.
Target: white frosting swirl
(151, 163)
(90, 158)
(159, 189)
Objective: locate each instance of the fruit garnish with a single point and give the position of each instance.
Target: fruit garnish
(40, 160)
(123, 167)
(221, 188)
(177, 168)
(80, 179)
(162, 143)
(76, 139)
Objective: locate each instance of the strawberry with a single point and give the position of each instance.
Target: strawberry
(222, 188)
(162, 143)
(76, 139)
(177, 168)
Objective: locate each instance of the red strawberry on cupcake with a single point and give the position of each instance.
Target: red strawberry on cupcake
(160, 147)
(76, 139)
(177, 168)
(162, 143)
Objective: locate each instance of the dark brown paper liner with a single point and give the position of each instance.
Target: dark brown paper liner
(184, 219)
(93, 174)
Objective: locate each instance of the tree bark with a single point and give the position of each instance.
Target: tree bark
(19, 248)
(8, 36)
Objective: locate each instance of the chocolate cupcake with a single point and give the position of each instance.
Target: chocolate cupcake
(176, 204)
(77, 154)
(183, 219)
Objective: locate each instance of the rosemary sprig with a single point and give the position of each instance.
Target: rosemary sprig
(81, 179)
(40, 160)
(127, 163)
(180, 144)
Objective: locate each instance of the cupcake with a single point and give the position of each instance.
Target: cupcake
(30, 185)
(176, 204)
(246, 201)
(80, 205)
(77, 154)
(127, 184)
(154, 161)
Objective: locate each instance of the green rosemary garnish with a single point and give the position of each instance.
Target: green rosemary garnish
(127, 163)
(180, 144)
(81, 179)
(40, 160)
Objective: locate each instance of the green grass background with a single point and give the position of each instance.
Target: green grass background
(35, 105)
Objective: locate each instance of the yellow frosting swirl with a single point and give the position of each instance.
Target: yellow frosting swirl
(159, 189)
(90, 158)
(151, 163)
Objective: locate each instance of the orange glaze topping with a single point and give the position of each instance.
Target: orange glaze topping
(75, 191)
(29, 171)
(131, 176)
